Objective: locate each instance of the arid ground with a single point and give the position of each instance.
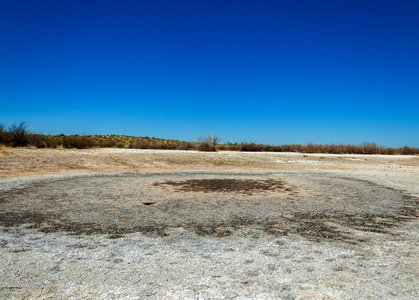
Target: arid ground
(134, 224)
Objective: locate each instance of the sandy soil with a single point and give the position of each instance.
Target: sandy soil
(133, 224)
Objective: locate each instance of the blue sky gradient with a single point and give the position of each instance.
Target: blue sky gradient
(274, 72)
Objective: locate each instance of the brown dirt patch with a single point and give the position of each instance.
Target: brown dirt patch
(244, 186)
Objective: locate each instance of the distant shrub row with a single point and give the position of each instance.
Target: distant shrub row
(364, 148)
(20, 136)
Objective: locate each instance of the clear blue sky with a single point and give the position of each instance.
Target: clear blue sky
(275, 72)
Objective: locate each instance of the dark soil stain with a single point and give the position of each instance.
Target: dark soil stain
(313, 226)
(245, 186)
(54, 223)
(11, 219)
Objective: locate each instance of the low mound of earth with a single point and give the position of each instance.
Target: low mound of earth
(316, 206)
(133, 224)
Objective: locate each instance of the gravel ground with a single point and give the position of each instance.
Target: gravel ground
(129, 224)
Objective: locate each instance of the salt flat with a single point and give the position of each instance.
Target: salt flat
(133, 224)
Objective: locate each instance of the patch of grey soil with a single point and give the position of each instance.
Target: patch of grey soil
(315, 206)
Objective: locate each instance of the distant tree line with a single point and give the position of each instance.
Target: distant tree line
(18, 135)
(364, 148)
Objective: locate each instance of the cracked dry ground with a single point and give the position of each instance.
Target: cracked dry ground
(331, 231)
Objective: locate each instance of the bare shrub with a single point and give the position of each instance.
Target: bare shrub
(19, 134)
(205, 146)
(3, 135)
(406, 150)
(209, 143)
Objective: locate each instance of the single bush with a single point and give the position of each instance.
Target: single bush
(209, 143)
(19, 134)
(205, 146)
(2, 133)
(5, 137)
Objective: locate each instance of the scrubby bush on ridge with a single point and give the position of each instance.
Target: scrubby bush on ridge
(209, 143)
(19, 135)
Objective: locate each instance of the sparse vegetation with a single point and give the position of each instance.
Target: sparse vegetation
(19, 135)
(155, 143)
(232, 162)
(364, 148)
(209, 143)
(2, 134)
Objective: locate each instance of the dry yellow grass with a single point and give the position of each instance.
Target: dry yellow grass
(6, 152)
